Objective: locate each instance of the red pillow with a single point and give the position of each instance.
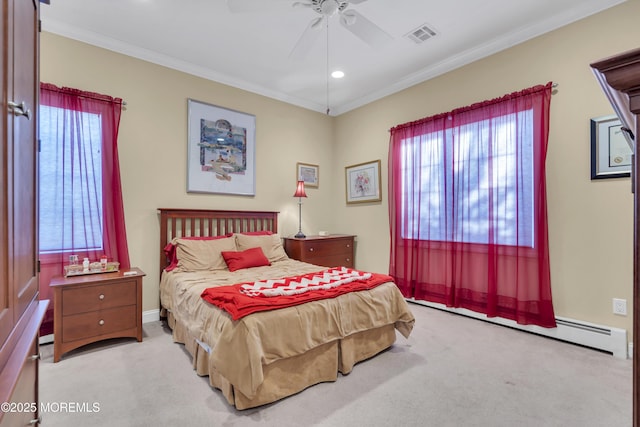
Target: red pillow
(170, 249)
(252, 257)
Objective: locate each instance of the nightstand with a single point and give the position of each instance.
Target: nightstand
(336, 250)
(96, 307)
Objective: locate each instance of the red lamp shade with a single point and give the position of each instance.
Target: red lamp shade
(300, 190)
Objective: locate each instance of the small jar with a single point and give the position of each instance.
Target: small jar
(103, 262)
(85, 265)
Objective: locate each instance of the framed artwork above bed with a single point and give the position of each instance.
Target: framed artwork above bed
(221, 148)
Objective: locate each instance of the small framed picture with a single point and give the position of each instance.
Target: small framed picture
(610, 151)
(363, 183)
(309, 174)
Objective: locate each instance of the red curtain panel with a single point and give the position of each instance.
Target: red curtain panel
(80, 194)
(468, 208)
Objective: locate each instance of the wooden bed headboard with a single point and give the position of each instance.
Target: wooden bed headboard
(203, 223)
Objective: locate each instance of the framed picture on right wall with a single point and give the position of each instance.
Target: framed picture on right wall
(610, 152)
(363, 182)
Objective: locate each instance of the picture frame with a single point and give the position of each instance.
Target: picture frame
(610, 151)
(221, 150)
(363, 183)
(308, 173)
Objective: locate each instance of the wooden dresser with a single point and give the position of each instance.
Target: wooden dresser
(336, 250)
(96, 307)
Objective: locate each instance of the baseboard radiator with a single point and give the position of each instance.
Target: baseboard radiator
(605, 338)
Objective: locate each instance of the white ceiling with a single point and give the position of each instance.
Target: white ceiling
(251, 50)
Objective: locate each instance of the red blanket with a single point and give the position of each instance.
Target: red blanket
(237, 303)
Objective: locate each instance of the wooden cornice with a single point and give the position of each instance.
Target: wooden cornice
(622, 73)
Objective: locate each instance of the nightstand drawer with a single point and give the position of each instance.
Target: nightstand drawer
(91, 298)
(323, 248)
(98, 323)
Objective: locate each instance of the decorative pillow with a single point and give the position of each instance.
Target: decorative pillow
(271, 245)
(202, 254)
(252, 257)
(170, 248)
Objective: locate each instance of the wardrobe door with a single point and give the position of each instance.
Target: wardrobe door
(6, 308)
(23, 149)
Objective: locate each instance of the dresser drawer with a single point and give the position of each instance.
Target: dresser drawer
(96, 323)
(323, 248)
(98, 297)
(332, 261)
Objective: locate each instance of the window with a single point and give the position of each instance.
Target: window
(81, 210)
(468, 208)
(70, 180)
(469, 186)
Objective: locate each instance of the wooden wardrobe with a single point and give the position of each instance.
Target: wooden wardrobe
(621, 83)
(20, 310)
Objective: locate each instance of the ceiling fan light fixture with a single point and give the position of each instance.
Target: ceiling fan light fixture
(348, 18)
(329, 7)
(302, 4)
(337, 74)
(316, 22)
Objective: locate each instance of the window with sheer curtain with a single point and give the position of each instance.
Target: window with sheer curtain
(468, 208)
(80, 196)
(70, 181)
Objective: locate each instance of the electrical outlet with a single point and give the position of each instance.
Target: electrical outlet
(620, 306)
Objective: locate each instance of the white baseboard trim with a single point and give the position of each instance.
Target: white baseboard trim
(46, 339)
(151, 316)
(612, 340)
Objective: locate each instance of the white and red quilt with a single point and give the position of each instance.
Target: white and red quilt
(245, 298)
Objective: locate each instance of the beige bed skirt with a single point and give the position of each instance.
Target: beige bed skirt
(285, 377)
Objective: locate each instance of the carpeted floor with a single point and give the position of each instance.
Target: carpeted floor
(453, 371)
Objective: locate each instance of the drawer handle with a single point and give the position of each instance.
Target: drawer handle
(310, 249)
(35, 421)
(101, 322)
(101, 296)
(348, 259)
(348, 245)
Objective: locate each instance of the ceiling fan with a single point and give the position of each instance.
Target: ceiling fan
(350, 19)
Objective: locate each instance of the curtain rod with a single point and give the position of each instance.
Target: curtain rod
(100, 97)
(82, 93)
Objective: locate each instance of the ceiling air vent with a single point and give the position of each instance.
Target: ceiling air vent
(421, 34)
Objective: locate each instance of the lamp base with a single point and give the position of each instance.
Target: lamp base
(300, 235)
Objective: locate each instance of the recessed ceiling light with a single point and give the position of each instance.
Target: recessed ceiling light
(337, 74)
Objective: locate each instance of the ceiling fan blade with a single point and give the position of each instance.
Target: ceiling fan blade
(308, 39)
(364, 29)
(248, 6)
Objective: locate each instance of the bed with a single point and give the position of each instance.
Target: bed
(268, 355)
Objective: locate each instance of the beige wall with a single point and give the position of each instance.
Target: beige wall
(152, 144)
(590, 222)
